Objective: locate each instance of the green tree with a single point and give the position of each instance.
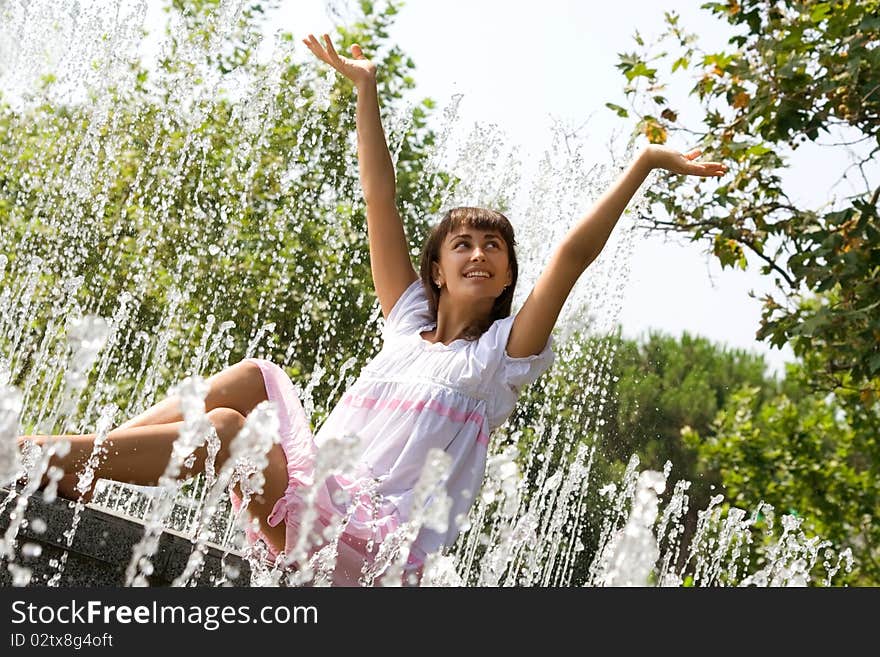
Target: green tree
(793, 71)
(665, 386)
(803, 455)
(797, 70)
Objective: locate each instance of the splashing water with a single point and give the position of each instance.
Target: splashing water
(148, 288)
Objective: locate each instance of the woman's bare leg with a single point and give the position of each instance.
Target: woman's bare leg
(239, 387)
(139, 455)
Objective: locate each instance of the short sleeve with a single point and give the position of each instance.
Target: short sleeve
(409, 313)
(518, 373)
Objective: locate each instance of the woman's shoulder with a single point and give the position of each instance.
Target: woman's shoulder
(509, 370)
(495, 337)
(409, 313)
(505, 377)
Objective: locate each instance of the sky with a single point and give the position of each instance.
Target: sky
(523, 66)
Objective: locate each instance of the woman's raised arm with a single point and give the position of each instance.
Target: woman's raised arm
(391, 266)
(583, 243)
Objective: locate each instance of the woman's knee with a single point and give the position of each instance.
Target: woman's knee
(239, 387)
(228, 422)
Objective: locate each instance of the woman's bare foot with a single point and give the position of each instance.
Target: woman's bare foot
(67, 489)
(30, 452)
(66, 484)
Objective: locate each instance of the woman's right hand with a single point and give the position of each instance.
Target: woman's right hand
(359, 70)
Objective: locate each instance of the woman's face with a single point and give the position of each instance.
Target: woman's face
(465, 250)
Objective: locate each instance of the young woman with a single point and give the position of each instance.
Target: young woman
(453, 364)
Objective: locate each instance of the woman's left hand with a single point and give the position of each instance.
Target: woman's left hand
(663, 157)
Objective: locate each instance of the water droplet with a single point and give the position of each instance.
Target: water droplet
(31, 550)
(21, 576)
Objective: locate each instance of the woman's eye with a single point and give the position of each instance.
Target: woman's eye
(495, 244)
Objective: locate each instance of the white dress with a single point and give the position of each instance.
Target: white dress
(413, 396)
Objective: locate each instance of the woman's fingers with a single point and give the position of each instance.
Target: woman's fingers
(326, 54)
(313, 45)
(709, 169)
(684, 163)
(330, 49)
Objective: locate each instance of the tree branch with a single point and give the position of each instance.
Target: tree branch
(673, 225)
(846, 143)
(673, 128)
(869, 94)
(860, 165)
(770, 262)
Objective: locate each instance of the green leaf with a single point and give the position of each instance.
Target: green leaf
(617, 108)
(758, 149)
(640, 70)
(820, 11)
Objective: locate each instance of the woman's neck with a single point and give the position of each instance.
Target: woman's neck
(456, 322)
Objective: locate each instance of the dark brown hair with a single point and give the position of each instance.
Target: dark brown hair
(479, 219)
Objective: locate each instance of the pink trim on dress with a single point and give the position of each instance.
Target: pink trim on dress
(360, 401)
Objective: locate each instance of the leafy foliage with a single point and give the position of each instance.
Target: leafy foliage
(798, 70)
(655, 396)
(805, 455)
